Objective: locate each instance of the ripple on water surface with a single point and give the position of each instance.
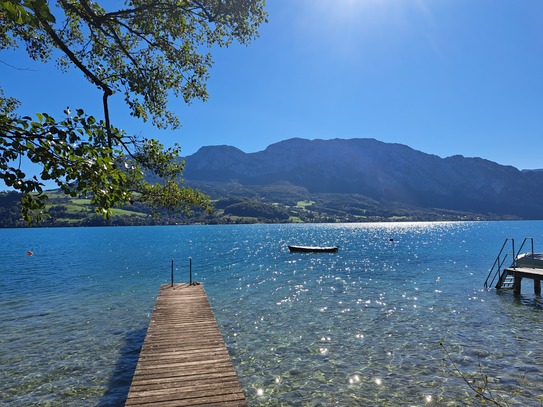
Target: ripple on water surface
(359, 327)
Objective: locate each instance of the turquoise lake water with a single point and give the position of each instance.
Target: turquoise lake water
(361, 327)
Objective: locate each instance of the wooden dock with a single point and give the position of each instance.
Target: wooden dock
(519, 273)
(184, 361)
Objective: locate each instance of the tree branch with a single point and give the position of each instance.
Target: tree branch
(153, 6)
(71, 56)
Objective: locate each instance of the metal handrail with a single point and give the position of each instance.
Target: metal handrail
(531, 239)
(497, 274)
(190, 272)
(499, 263)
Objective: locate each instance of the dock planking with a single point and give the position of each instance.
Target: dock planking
(184, 361)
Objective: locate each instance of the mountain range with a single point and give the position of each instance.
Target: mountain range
(383, 172)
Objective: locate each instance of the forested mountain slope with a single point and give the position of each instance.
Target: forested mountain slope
(380, 171)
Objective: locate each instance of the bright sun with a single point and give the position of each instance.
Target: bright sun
(362, 12)
(349, 10)
(346, 6)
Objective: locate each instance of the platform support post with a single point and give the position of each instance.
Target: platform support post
(517, 284)
(537, 286)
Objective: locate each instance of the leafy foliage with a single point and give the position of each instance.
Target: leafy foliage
(255, 209)
(250, 204)
(141, 50)
(146, 50)
(76, 154)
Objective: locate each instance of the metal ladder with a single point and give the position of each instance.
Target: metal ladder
(498, 273)
(507, 282)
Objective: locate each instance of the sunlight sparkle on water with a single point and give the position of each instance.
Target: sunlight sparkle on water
(276, 310)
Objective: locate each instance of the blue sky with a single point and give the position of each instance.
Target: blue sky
(444, 77)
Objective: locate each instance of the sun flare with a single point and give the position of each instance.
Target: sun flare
(347, 10)
(348, 7)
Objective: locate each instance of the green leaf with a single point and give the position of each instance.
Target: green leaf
(148, 53)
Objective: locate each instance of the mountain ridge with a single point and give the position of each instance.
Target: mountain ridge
(388, 172)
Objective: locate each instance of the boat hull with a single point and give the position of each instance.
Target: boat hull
(313, 249)
(530, 260)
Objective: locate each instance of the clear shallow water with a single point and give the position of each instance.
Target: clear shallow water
(360, 327)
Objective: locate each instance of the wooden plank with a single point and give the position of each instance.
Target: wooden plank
(519, 273)
(183, 361)
(527, 272)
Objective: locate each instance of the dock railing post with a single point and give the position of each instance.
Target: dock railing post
(172, 271)
(190, 270)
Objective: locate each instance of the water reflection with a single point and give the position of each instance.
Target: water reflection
(361, 327)
(378, 308)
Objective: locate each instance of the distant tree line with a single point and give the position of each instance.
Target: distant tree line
(253, 204)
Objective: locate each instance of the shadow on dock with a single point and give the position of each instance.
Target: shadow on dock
(119, 384)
